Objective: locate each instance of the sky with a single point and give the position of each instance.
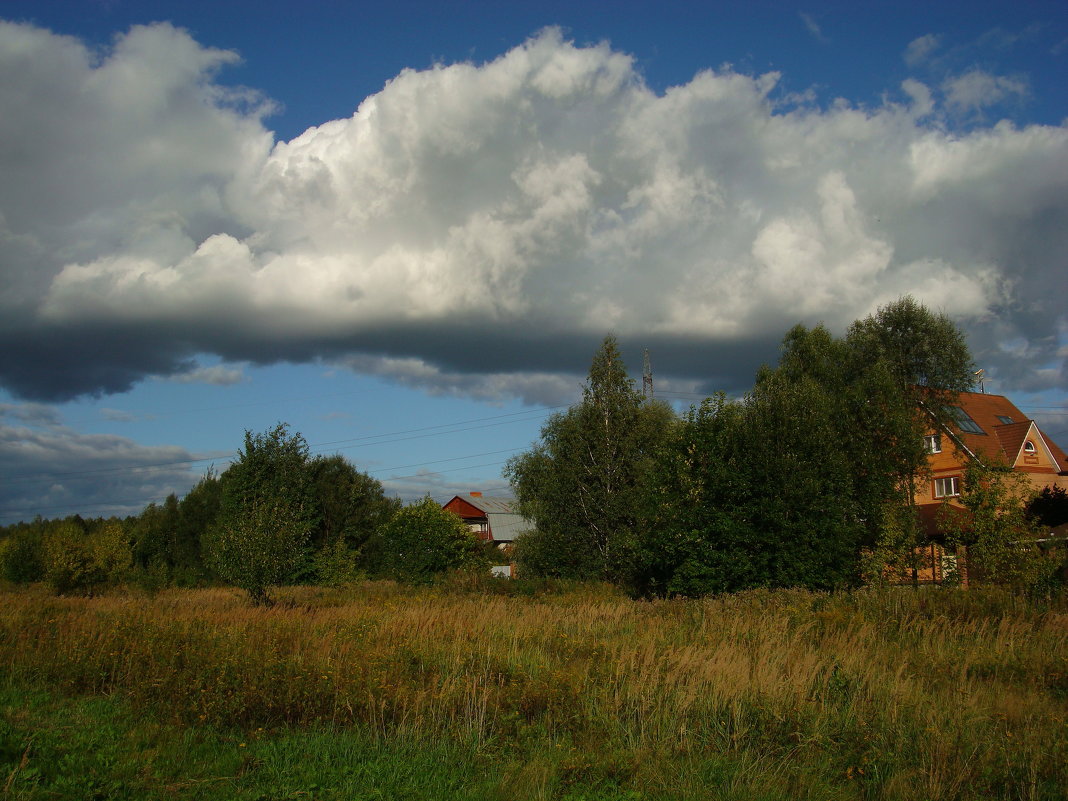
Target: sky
(404, 229)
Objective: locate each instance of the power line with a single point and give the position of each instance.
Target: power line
(418, 433)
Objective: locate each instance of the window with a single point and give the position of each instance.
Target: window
(1006, 419)
(1029, 446)
(947, 487)
(964, 422)
(933, 443)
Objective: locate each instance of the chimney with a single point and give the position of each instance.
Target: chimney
(476, 494)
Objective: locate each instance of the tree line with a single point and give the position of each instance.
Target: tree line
(806, 481)
(276, 516)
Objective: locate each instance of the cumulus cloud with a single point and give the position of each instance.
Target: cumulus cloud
(49, 469)
(476, 229)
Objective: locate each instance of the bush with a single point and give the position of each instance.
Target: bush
(20, 557)
(423, 541)
(77, 561)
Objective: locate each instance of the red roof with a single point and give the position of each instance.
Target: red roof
(1000, 439)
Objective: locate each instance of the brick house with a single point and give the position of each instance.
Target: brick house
(993, 431)
(990, 429)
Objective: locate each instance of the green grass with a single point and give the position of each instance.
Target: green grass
(542, 692)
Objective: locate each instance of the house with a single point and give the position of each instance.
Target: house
(990, 429)
(492, 519)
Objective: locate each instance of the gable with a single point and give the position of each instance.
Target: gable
(463, 508)
(993, 429)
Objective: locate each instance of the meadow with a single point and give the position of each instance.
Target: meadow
(498, 690)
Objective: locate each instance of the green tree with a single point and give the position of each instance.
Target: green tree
(755, 493)
(1049, 507)
(80, 559)
(266, 515)
(350, 505)
(784, 487)
(1001, 538)
(583, 484)
(21, 553)
(423, 540)
(906, 365)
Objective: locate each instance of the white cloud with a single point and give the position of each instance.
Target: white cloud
(471, 229)
(813, 27)
(218, 374)
(920, 49)
(976, 90)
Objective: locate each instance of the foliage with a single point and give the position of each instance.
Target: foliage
(894, 554)
(265, 519)
(786, 486)
(584, 484)
(350, 507)
(423, 540)
(999, 535)
(21, 553)
(337, 565)
(81, 560)
(1049, 507)
(735, 512)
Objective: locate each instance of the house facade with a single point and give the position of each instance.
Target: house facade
(990, 429)
(493, 519)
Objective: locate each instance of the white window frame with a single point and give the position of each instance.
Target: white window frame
(933, 443)
(1029, 447)
(948, 487)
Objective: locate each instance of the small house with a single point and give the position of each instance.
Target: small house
(493, 519)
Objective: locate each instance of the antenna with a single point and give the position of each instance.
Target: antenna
(647, 377)
(979, 376)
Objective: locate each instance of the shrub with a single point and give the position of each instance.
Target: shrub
(423, 541)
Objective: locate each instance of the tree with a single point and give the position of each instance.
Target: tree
(584, 484)
(1050, 507)
(907, 365)
(80, 559)
(784, 487)
(755, 493)
(21, 553)
(266, 513)
(1001, 539)
(350, 505)
(423, 540)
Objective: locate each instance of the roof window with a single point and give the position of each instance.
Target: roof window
(964, 422)
(1005, 419)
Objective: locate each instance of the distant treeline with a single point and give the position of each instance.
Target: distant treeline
(276, 516)
(807, 481)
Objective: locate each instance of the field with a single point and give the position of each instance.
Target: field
(518, 691)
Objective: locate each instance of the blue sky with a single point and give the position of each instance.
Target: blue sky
(404, 229)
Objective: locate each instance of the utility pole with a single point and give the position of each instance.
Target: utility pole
(647, 377)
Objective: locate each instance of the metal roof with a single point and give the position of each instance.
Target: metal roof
(485, 504)
(506, 527)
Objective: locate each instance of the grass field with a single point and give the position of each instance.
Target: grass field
(513, 691)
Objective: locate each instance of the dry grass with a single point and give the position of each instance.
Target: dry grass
(882, 694)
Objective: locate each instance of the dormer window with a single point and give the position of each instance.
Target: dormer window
(933, 443)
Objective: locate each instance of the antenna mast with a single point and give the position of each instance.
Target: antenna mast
(647, 377)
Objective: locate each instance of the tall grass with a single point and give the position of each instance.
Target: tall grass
(879, 694)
